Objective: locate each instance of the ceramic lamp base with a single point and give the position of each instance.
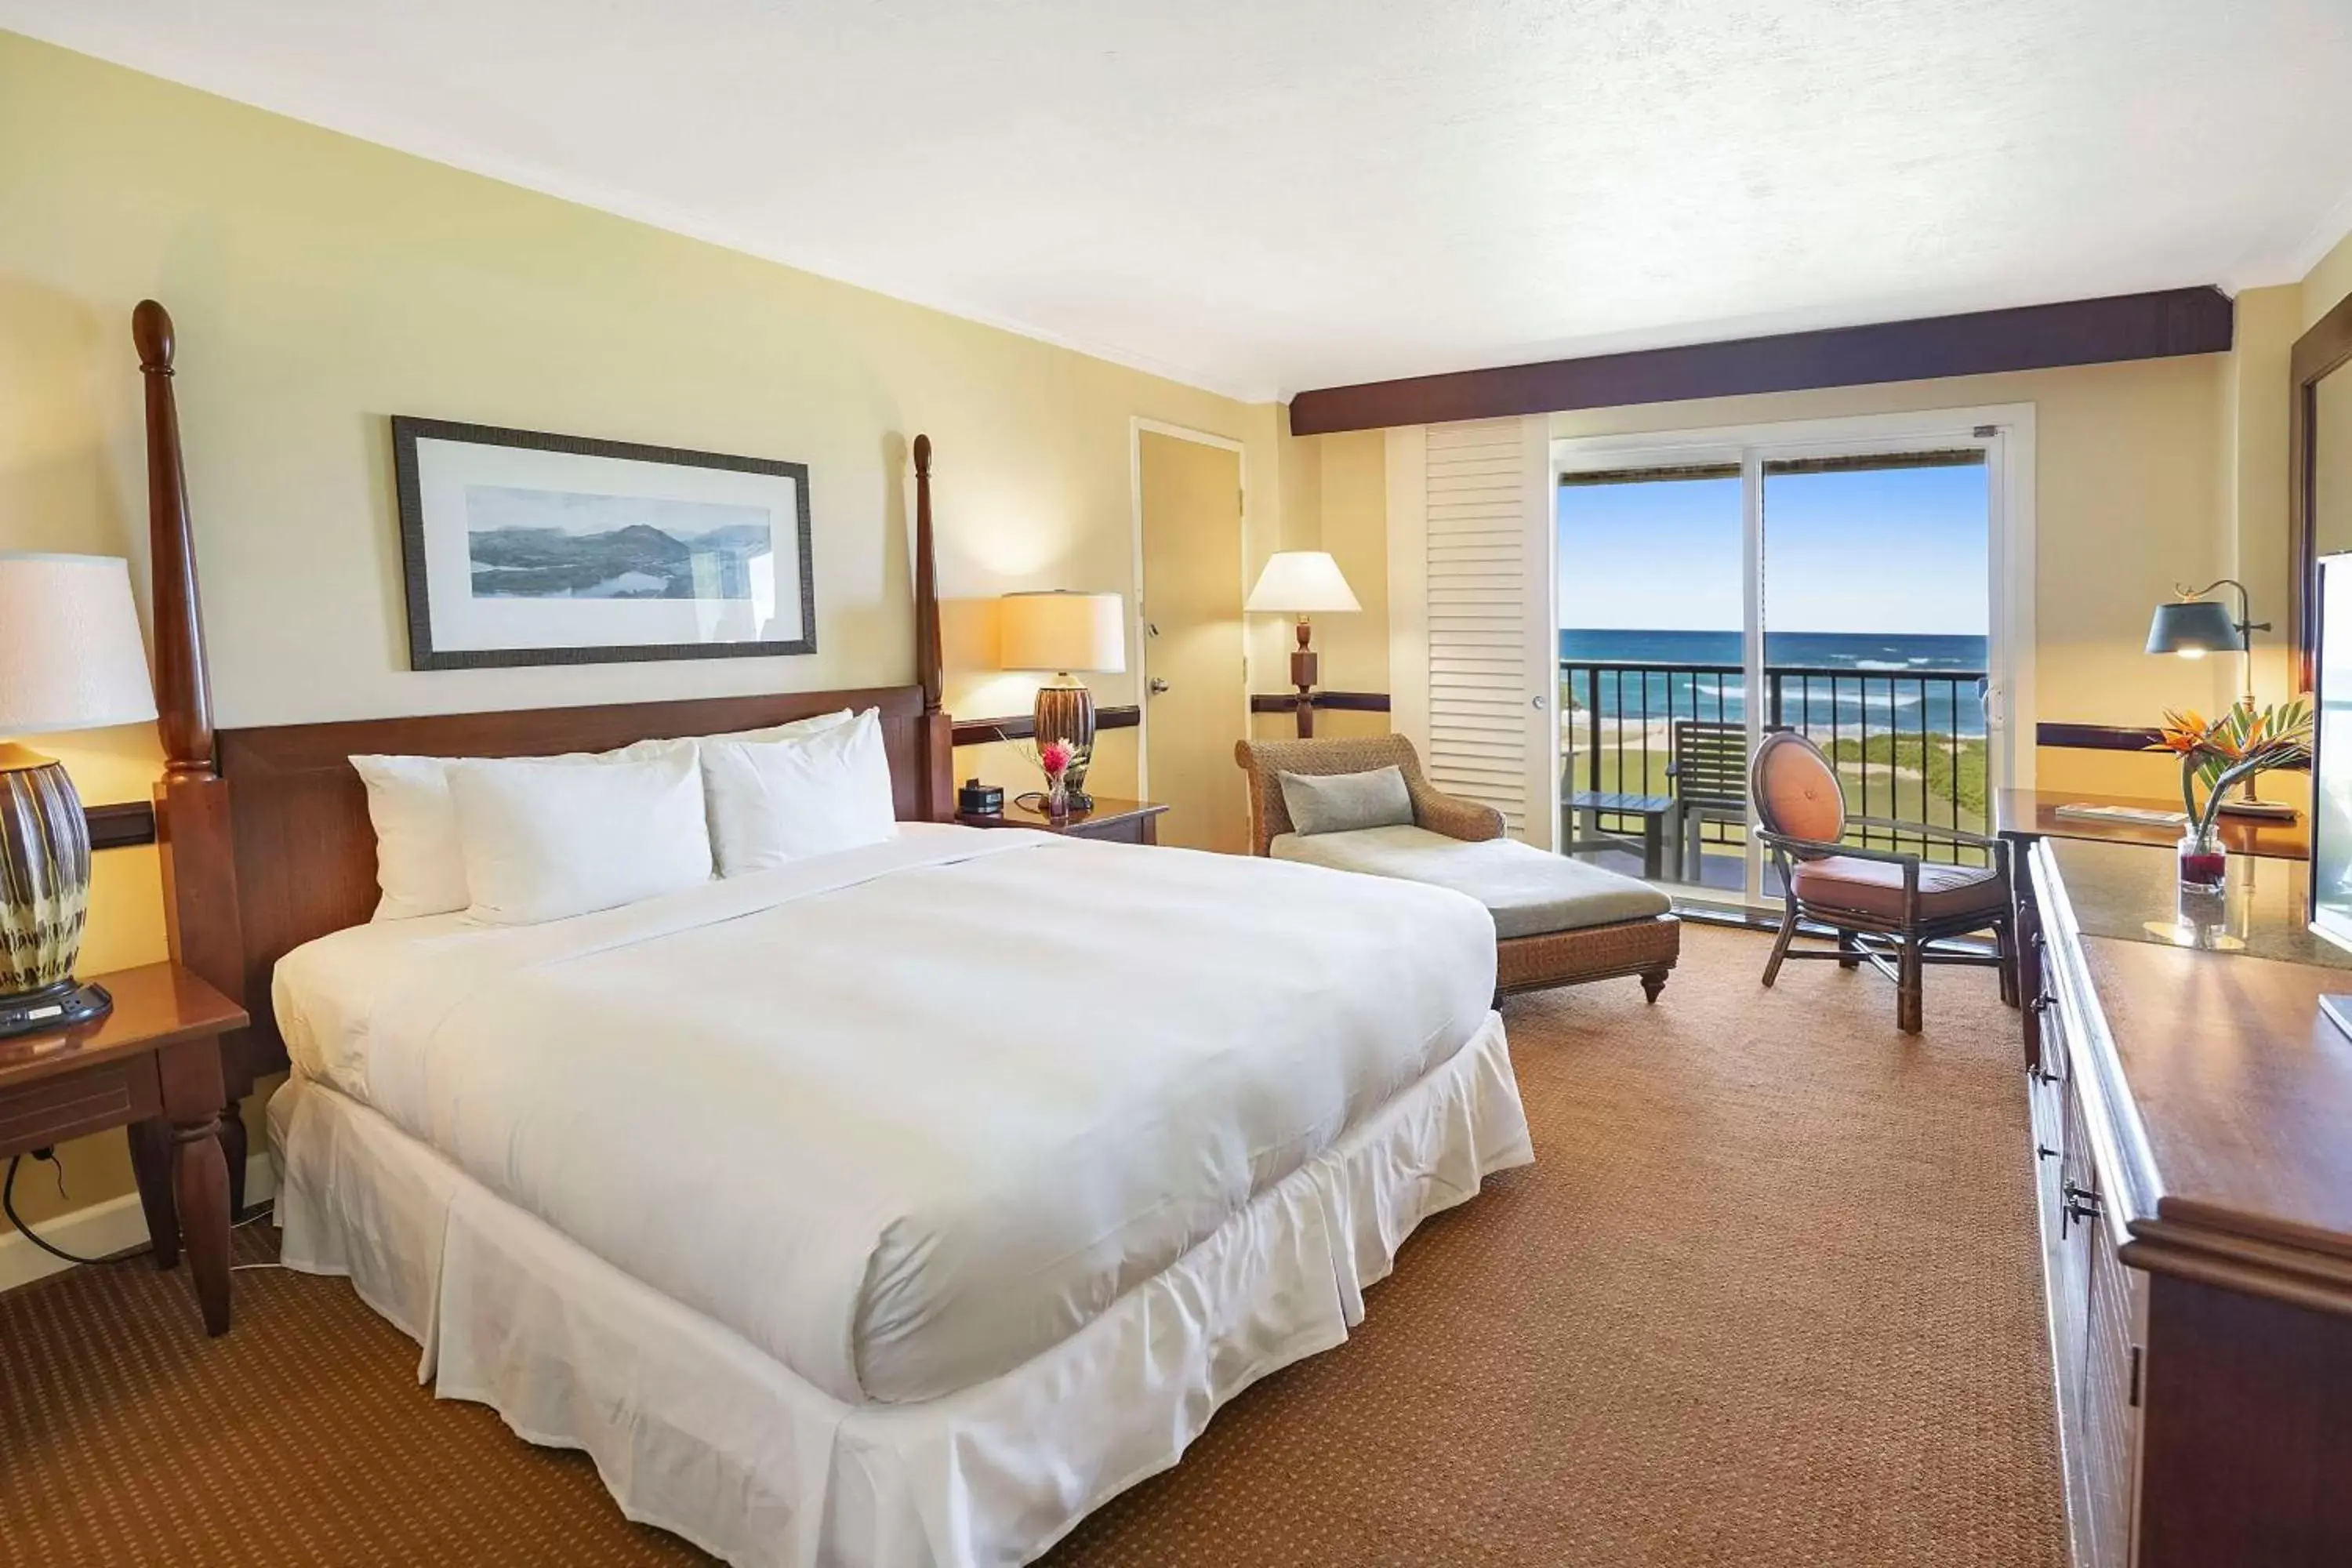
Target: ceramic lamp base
(1066, 712)
(43, 875)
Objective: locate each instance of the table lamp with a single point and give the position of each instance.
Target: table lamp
(1061, 632)
(70, 658)
(1302, 582)
(2192, 627)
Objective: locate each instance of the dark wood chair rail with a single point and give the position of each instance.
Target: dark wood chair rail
(1324, 701)
(981, 731)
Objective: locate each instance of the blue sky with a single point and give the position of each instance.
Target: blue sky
(1888, 549)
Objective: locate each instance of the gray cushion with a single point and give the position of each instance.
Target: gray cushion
(1343, 802)
(1529, 891)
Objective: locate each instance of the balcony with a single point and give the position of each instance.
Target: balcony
(1653, 760)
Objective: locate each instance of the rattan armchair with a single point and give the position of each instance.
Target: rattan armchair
(1646, 949)
(1433, 808)
(1894, 910)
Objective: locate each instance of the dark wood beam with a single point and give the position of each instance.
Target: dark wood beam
(2034, 337)
(981, 731)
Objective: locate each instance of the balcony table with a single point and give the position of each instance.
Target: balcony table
(1654, 810)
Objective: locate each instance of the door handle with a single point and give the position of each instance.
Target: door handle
(1158, 686)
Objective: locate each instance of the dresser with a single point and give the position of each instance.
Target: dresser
(2191, 1124)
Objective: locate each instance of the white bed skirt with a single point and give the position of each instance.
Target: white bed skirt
(695, 1430)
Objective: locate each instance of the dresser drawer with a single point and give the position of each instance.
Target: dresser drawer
(37, 1115)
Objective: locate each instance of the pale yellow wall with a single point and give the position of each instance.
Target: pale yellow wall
(1354, 517)
(2324, 286)
(320, 284)
(2252, 510)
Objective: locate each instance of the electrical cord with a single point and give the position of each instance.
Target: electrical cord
(8, 1207)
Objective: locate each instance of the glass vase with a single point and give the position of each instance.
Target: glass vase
(1057, 796)
(2204, 863)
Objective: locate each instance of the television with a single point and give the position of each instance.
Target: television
(2331, 756)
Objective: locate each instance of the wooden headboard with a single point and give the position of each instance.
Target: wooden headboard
(263, 832)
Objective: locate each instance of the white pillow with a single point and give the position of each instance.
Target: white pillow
(792, 730)
(418, 863)
(416, 859)
(541, 843)
(781, 800)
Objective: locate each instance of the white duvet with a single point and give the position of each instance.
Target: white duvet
(906, 1116)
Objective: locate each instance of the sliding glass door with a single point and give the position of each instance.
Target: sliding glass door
(1846, 583)
(1876, 628)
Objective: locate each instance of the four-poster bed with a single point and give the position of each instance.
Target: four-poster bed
(296, 856)
(775, 1192)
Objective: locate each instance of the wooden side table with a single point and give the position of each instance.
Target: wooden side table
(1114, 821)
(152, 1065)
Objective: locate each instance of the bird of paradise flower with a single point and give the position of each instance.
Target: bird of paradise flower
(2243, 742)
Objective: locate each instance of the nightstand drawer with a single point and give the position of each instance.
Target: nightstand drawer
(37, 1115)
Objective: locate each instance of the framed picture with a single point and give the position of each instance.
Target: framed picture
(524, 548)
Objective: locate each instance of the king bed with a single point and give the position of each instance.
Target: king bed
(894, 1205)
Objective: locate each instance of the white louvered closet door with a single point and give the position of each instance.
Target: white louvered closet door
(1476, 660)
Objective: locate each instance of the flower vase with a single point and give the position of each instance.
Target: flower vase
(2204, 863)
(1057, 796)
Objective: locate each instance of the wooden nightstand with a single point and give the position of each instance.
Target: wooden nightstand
(1114, 821)
(152, 1065)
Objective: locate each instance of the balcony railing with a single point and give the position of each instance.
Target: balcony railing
(1907, 743)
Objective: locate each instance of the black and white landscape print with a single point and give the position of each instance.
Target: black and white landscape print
(520, 547)
(560, 544)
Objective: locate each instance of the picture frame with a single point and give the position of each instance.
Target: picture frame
(519, 547)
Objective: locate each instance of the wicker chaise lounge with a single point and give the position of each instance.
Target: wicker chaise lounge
(1558, 922)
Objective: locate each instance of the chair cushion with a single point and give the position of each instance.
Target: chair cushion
(1529, 891)
(1875, 887)
(1341, 803)
(1797, 791)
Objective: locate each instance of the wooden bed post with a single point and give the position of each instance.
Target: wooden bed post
(193, 833)
(939, 731)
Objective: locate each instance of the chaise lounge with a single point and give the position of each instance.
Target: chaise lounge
(1364, 806)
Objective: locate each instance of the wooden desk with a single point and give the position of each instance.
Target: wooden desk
(2033, 813)
(2187, 1105)
(1114, 821)
(152, 1065)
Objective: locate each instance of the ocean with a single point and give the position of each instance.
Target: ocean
(1856, 681)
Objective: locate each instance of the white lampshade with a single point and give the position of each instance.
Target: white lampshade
(1301, 583)
(1062, 631)
(70, 658)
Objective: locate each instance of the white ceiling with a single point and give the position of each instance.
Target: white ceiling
(1265, 196)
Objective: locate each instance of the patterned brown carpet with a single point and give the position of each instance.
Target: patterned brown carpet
(1767, 1298)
